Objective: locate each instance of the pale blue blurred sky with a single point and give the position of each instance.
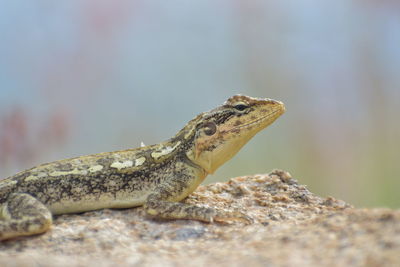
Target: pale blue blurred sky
(122, 72)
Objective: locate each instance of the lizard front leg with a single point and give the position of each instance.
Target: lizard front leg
(23, 215)
(161, 203)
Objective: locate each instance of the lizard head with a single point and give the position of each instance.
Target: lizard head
(219, 134)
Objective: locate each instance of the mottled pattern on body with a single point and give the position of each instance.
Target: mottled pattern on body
(156, 176)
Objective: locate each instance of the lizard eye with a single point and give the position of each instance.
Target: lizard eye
(240, 106)
(210, 128)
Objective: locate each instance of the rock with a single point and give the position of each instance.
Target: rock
(292, 226)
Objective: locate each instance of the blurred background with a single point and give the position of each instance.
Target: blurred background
(80, 77)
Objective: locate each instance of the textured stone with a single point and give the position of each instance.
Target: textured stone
(292, 227)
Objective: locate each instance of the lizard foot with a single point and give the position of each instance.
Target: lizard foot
(222, 216)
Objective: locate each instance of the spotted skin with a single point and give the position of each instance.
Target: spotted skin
(156, 177)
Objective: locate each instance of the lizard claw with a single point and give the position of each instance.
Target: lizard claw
(229, 216)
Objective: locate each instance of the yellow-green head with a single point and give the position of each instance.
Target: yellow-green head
(216, 136)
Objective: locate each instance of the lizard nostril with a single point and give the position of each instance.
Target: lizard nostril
(237, 123)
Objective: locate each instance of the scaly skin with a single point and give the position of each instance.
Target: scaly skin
(156, 177)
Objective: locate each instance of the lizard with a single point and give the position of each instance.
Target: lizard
(156, 177)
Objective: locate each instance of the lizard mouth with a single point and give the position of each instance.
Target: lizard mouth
(257, 121)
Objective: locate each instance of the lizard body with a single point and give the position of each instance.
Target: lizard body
(156, 177)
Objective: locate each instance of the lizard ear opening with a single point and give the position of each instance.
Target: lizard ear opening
(209, 128)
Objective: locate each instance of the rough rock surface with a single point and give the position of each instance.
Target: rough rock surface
(292, 227)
